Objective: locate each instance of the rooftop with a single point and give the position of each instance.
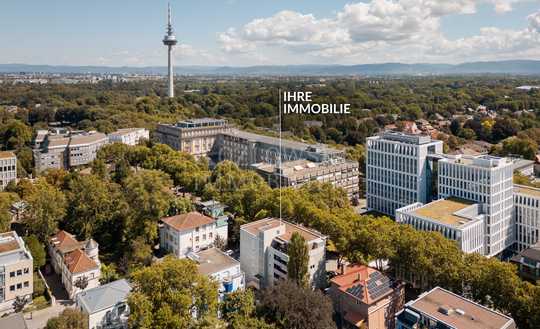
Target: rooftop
(213, 260)
(532, 253)
(7, 154)
(458, 311)
(271, 223)
(89, 138)
(364, 283)
(201, 122)
(9, 242)
(78, 262)
(65, 242)
(103, 297)
(444, 211)
(527, 190)
(300, 167)
(124, 131)
(478, 161)
(405, 137)
(315, 148)
(187, 221)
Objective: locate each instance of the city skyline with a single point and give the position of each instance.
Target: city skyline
(240, 33)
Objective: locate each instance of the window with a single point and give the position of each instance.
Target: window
(26, 270)
(204, 236)
(11, 274)
(210, 235)
(12, 288)
(26, 284)
(19, 285)
(19, 272)
(196, 239)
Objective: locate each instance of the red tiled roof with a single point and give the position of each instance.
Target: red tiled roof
(187, 221)
(78, 262)
(358, 276)
(64, 241)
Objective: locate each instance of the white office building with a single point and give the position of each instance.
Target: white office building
(527, 216)
(398, 172)
(263, 251)
(129, 136)
(485, 180)
(8, 168)
(455, 219)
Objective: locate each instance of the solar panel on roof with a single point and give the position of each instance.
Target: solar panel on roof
(357, 290)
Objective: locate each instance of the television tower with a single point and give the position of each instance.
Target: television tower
(169, 40)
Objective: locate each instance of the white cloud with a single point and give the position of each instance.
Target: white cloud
(381, 30)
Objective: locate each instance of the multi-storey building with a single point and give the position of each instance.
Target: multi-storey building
(339, 172)
(245, 149)
(439, 308)
(485, 180)
(76, 262)
(16, 275)
(63, 149)
(222, 268)
(527, 216)
(194, 136)
(191, 232)
(398, 171)
(106, 306)
(366, 298)
(263, 251)
(8, 168)
(129, 136)
(455, 219)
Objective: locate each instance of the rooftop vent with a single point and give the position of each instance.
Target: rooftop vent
(446, 310)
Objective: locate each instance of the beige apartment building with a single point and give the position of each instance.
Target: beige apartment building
(341, 173)
(8, 168)
(193, 136)
(16, 266)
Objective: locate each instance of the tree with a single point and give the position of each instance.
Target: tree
(108, 273)
(15, 134)
(169, 293)
(37, 250)
(6, 201)
(70, 318)
(297, 267)
(81, 282)
(46, 206)
(19, 303)
(288, 305)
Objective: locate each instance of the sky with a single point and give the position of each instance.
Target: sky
(268, 32)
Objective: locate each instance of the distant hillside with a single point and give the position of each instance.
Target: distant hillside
(521, 67)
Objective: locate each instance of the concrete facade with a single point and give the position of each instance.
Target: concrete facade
(129, 136)
(8, 168)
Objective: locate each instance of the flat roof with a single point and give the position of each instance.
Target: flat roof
(444, 211)
(214, 260)
(6, 154)
(527, 190)
(9, 242)
(475, 315)
(315, 148)
(105, 296)
(271, 223)
(86, 138)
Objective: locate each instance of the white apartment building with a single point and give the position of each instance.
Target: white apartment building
(341, 173)
(8, 168)
(75, 260)
(263, 251)
(455, 219)
(527, 216)
(129, 136)
(220, 267)
(398, 172)
(485, 180)
(83, 148)
(191, 232)
(16, 270)
(194, 136)
(106, 306)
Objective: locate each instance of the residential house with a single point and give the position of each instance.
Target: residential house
(106, 306)
(528, 262)
(16, 270)
(75, 262)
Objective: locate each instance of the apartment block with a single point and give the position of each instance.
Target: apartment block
(456, 219)
(75, 262)
(64, 149)
(485, 180)
(16, 270)
(440, 308)
(527, 216)
(263, 251)
(365, 298)
(129, 136)
(245, 149)
(339, 172)
(8, 168)
(222, 268)
(194, 136)
(398, 170)
(191, 232)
